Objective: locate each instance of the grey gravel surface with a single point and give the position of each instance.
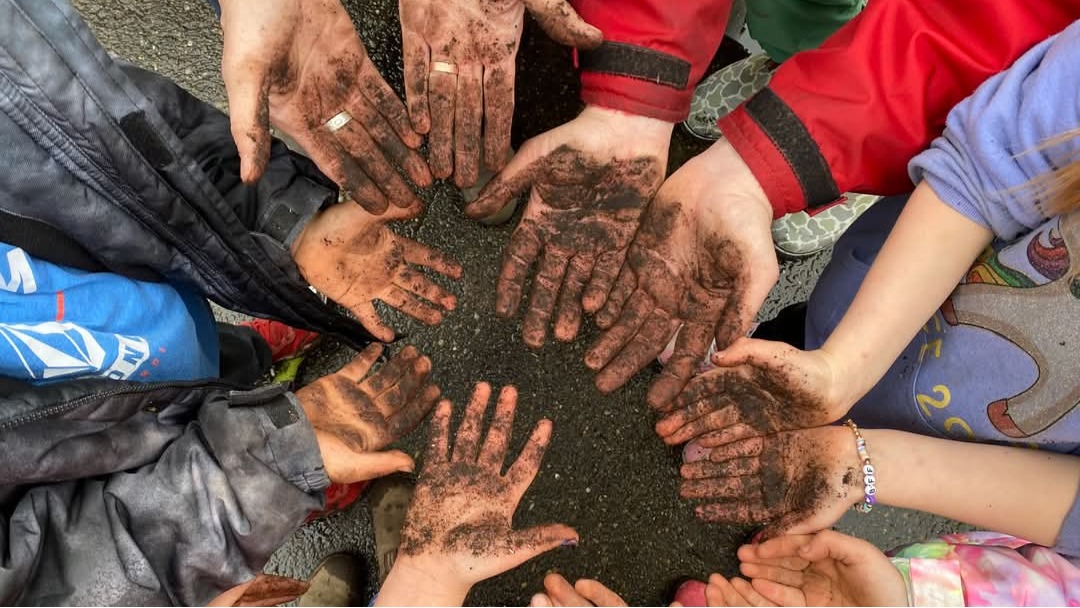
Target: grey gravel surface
(605, 472)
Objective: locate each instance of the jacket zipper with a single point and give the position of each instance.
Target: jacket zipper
(67, 406)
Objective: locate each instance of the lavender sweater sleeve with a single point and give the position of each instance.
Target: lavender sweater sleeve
(991, 145)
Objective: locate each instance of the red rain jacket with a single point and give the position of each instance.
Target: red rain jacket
(847, 116)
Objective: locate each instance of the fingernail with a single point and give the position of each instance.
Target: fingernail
(409, 468)
(757, 537)
(570, 542)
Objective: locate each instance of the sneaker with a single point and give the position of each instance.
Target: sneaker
(285, 342)
(389, 501)
(798, 235)
(723, 91)
(337, 581)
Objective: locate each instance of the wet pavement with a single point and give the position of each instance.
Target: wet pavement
(605, 473)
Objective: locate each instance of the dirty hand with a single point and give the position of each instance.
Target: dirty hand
(354, 258)
(823, 569)
(459, 526)
(459, 74)
(591, 180)
(355, 414)
(703, 260)
(299, 63)
(585, 592)
(762, 387)
(796, 481)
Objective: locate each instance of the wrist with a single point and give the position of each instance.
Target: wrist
(636, 126)
(422, 581)
(738, 180)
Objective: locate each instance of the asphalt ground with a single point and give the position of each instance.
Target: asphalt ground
(605, 473)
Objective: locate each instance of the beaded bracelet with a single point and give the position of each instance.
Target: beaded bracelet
(869, 481)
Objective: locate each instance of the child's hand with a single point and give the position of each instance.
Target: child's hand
(459, 526)
(585, 592)
(823, 569)
(761, 387)
(355, 415)
(736, 592)
(800, 481)
(354, 258)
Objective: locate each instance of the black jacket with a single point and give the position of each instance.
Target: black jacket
(117, 492)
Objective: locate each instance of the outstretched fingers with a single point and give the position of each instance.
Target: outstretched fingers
(518, 258)
(690, 348)
(438, 447)
(356, 369)
(493, 453)
(467, 441)
(545, 291)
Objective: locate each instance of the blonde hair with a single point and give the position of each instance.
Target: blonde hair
(1059, 189)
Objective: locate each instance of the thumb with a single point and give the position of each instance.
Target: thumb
(563, 24)
(743, 351)
(369, 465)
(523, 545)
(248, 89)
(829, 544)
(515, 177)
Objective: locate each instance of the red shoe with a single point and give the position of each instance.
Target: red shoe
(285, 342)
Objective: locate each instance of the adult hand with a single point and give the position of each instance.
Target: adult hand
(585, 592)
(763, 387)
(354, 258)
(823, 569)
(459, 73)
(703, 260)
(459, 526)
(797, 481)
(355, 415)
(591, 180)
(299, 63)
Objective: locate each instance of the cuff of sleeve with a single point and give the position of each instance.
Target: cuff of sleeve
(777, 147)
(633, 96)
(766, 162)
(216, 6)
(1068, 541)
(293, 198)
(292, 449)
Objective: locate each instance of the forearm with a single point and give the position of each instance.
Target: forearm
(925, 256)
(1019, 491)
(414, 584)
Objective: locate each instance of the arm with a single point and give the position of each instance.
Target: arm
(201, 517)
(931, 246)
(849, 115)
(654, 53)
(1018, 491)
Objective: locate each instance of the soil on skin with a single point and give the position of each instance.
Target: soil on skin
(605, 473)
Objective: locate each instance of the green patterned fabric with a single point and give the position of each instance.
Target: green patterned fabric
(785, 27)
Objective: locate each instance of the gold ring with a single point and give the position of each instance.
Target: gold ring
(338, 121)
(444, 67)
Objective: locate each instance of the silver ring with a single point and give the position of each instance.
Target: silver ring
(444, 67)
(338, 121)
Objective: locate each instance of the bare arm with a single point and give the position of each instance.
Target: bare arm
(1018, 491)
(925, 256)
